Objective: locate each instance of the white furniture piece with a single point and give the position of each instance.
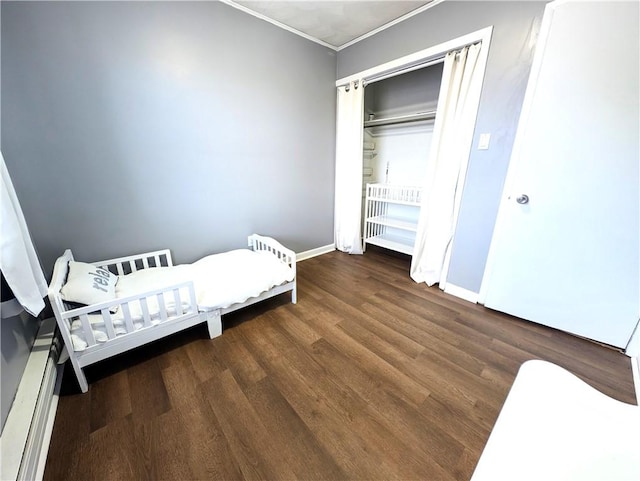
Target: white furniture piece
(555, 427)
(391, 216)
(123, 323)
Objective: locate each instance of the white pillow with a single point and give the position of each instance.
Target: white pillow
(88, 284)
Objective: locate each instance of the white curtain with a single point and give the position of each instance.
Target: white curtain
(348, 196)
(18, 259)
(452, 135)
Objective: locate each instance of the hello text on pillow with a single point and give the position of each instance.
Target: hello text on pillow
(88, 284)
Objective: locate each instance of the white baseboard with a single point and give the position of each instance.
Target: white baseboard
(301, 256)
(25, 439)
(465, 294)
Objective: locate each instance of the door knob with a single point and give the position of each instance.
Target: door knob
(522, 199)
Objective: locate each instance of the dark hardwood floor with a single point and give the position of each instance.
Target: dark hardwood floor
(370, 376)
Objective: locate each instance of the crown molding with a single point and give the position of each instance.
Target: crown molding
(281, 25)
(244, 9)
(398, 20)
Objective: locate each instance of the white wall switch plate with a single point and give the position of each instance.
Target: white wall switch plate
(483, 142)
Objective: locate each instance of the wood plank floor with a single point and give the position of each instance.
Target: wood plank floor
(370, 376)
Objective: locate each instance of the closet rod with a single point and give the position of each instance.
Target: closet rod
(402, 70)
(399, 71)
(401, 119)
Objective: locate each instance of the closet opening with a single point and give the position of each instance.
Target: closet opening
(399, 115)
(404, 135)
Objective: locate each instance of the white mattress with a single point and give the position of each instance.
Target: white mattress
(220, 280)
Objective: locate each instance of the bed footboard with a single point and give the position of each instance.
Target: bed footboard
(268, 244)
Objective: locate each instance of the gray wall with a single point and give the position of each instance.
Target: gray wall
(515, 27)
(131, 126)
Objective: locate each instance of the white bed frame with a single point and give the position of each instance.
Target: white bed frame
(184, 318)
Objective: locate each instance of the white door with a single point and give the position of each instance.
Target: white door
(567, 254)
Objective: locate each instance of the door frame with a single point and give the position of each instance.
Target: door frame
(420, 59)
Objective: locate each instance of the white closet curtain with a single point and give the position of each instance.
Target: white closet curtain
(348, 203)
(452, 134)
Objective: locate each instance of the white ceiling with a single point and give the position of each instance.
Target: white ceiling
(331, 22)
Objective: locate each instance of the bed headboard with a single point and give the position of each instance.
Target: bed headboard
(60, 271)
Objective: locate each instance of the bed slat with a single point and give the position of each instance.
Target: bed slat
(163, 308)
(126, 312)
(86, 328)
(178, 302)
(108, 323)
(145, 312)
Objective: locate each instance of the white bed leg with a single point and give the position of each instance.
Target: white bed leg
(294, 295)
(214, 323)
(82, 380)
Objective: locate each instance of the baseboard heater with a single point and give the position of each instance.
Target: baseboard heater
(25, 438)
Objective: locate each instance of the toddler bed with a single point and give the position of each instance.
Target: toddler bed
(108, 307)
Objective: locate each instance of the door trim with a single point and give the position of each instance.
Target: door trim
(400, 65)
